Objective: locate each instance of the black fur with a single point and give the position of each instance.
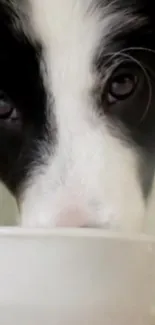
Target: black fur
(126, 115)
(21, 80)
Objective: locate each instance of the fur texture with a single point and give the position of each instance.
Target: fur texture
(69, 157)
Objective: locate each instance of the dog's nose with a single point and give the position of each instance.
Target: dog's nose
(73, 217)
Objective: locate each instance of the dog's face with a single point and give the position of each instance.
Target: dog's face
(77, 110)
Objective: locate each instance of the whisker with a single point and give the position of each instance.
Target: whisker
(138, 49)
(126, 49)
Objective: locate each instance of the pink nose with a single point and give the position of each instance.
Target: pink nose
(72, 218)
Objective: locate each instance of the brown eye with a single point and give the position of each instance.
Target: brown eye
(121, 86)
(6, 107)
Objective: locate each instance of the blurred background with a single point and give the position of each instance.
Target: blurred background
(8, 209)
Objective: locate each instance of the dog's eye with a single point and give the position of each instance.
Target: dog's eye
(122, 85)
(7, 109)
(127, 94)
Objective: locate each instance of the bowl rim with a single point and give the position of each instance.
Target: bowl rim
(19, 232)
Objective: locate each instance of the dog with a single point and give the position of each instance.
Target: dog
(77, 111)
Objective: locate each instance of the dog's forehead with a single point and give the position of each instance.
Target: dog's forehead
(50, 20)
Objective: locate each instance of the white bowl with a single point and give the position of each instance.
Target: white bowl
(75, 277)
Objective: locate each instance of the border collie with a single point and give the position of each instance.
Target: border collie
(77, 111)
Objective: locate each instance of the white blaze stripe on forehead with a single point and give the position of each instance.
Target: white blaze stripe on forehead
(90, 171)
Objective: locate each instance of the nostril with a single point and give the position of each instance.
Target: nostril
(72, 218)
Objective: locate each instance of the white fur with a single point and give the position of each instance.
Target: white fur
(91, 177)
